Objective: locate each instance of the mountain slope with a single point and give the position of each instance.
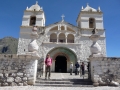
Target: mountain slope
(8, 45)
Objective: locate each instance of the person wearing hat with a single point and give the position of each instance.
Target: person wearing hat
(71, 68)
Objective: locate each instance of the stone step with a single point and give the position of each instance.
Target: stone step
(47, 81)
(62, 85)
(75, 80)
(64, 82)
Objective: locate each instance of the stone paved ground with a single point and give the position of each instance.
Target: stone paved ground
(59, 76)
(58, 88)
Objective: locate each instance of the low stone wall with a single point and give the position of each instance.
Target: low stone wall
(105, 71)
(17, 70)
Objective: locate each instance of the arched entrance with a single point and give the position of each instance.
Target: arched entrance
(61, 64)
(62, 57)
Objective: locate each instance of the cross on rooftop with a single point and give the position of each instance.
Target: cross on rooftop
(63, 17)
(36, 2)
(87, 4)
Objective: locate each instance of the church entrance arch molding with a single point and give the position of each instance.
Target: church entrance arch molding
(69, 55)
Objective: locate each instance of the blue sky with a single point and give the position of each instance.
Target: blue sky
(12, 13)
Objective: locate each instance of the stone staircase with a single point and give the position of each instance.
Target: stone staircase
(64, 82)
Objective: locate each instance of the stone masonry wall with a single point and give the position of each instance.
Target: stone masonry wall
(105, 69)
(17, 70)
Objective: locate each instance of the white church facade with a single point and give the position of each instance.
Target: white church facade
(63, 41)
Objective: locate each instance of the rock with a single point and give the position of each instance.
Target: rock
(114, 83)
(24, 67)
(30, 82)
(10, 79)
(4, 84)
(20, 74)
(18, 79)
(9, 68)
(101, 82)
(3, 80)
(25, 83)
(13, 71)
(25, 74)
(95, 80)
(30, 78)
(28, 75)
(95, 84)
(1, 75)
(1, 71)
(5, 71)
(24, 78)
(6, 74)
(12, 74)
(13, 84)
(20, 84)
(3, 68)
(16, 68)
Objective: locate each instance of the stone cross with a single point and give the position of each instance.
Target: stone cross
(62, 17)
(36, 2)
(87, 4)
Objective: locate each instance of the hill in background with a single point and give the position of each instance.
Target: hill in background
(8, 45)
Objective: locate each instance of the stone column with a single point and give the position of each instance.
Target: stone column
(33, 52)
(57, 38)
(35, 70)
(44, 67)
(31, 81)
(65, 27)
(66, 38)
(33, 46)
(53, 66)
(60, 27)
(95, 52)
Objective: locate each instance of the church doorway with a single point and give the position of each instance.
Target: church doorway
(62, 57)
(61, 64)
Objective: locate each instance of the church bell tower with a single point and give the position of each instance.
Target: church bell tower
(33, 16)
(89, 19)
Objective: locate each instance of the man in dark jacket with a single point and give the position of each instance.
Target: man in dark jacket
(77, 68)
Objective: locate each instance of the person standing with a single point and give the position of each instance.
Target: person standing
(48, 63)
(77, 68)
(71, 68)
(83, 69)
